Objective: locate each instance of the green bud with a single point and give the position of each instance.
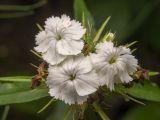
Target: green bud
(109, 36)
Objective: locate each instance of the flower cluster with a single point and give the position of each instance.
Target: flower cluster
(73, 75)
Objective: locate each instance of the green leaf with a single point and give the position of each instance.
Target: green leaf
(99, 32)
(17, 79)
(148, 91)
(82, 14)
(46, 106)
(100, 111)
(69, 112)
(148, 112)
(23, 96)
(80, 8)
(59, 111)
(38, 4)
(8, 88)
(153, 73)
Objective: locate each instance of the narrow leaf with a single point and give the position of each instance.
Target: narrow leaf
(100, 111)
(47, 105)
(23, 7)
(69, 112)
(16, 79)
(153, 73)
(24, 96)
(40, 27)
(149, 91)
(82, 14)
(81, 9)
(131, 44)
(99, 32)
(36, 54)
(5, 113)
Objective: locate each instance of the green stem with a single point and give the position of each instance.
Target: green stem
(41, 110)
(131, 98)
(100, 111)
(5, 113)
(35, 53)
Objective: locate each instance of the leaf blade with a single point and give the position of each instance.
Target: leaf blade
(16, 79)
(24, 96)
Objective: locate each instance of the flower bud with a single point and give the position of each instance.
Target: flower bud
(109, 37)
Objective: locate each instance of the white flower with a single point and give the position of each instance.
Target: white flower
(113, 64)
(60, 38)
(73, 80)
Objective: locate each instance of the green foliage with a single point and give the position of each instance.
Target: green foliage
(149, 91)
(19, 93)
(82, 14)
(148, 112)
(100, 31)
(100, 111)
(153, 73)
(14, 11)
(16, 79)
(80, 8)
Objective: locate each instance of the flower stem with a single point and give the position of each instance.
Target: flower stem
(100, 111)
(41, 110)
(5, 113)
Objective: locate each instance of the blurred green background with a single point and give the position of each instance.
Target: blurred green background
(131, 20)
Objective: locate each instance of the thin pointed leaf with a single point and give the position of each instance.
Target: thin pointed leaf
(69, 112)
(99, 32)
(100, 111)
(131, 44)
(80, 8)
(46, 106)
(149, 91)
(81, 13)
(24, 96)
(153, 73)
(23, 7)
(39, 27)
(16, 79)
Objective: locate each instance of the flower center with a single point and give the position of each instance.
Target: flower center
(58, 37)
(112, 60)
(72, 77)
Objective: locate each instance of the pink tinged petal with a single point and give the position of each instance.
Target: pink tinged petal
(51, 56)
(69, 47)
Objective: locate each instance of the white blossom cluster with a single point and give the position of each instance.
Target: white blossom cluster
(73, 76)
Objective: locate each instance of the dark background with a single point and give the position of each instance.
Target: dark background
(131, 20)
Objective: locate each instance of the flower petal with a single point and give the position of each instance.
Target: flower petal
(69, 47)
(85, 84)
(51, 56)
(70, 96)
